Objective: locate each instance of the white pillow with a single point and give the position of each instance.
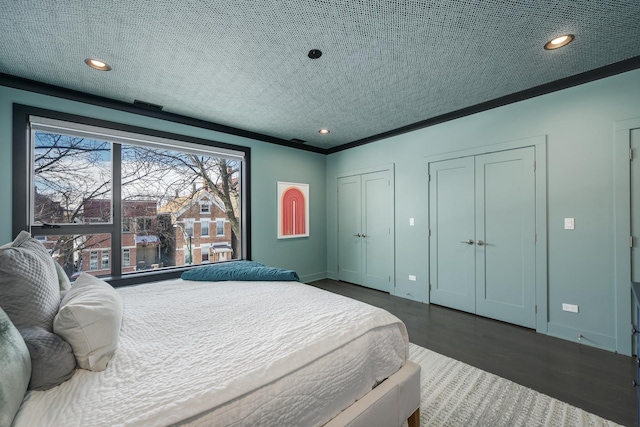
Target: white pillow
(89, 319)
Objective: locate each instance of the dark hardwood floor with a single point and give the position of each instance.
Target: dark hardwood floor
(595, 380)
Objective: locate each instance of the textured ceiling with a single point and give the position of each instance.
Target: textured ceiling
(244, 64)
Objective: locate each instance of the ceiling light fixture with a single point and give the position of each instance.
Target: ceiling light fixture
(314, 53)
(324, 131)
(96, 64)
(559, 42)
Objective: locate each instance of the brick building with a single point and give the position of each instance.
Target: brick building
(143, 234)
(202, 230)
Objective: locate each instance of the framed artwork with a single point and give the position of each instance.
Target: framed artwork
(293, 210)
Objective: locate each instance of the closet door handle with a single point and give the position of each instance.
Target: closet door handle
(357, 235)
(363, 235)
(468, 242)
(480, 243)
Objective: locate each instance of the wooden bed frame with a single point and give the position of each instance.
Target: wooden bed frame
(394, 402)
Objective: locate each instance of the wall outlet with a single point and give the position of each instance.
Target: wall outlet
(570, 307)
(412, 278)
(412, 222)
(569, 223)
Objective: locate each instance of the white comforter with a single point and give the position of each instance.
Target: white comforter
(187, 348)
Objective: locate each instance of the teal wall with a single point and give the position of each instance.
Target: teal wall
(578, 124)
(269, 163)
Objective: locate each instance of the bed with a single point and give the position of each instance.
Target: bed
(236, 353)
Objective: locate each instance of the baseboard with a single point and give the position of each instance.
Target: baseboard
(580, 336)
(412, 294)
(307, 278)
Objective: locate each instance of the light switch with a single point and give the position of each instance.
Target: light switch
(412, 222)
(569, 223)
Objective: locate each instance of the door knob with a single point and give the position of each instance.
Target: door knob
(468, 242)
(357, 235)
(480, 243)
(363, 235)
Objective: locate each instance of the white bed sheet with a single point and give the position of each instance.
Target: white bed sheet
(229, 352)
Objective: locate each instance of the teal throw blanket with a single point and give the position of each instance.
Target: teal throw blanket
(241, 271)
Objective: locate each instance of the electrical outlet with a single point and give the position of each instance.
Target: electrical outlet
(570, 307)
(412, 222)
(569, 223)
(412, 278)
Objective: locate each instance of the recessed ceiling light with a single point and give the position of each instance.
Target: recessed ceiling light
(559, 42)
(97, 64)
(324, 131)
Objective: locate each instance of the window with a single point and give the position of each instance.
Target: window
(93, 264)
(204, 224)
(164, 222)
(204, 250)
(189, 226)
(188, 254)
(219, 226)
(105, 260)
(143, 224)
(93, 184)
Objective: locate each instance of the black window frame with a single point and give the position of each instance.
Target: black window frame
(20, 191)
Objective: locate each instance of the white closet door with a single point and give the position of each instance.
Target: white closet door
(365, 238)
(482, 245)
(452, 244)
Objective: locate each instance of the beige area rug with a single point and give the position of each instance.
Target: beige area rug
(453, 393)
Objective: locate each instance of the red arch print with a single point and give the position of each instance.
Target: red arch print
(294, 217)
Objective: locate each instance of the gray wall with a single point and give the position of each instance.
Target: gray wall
(578, 124)
(270, 163)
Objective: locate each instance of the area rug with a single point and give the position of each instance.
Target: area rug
(453, 393)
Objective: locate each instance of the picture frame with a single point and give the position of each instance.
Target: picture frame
(293, 210)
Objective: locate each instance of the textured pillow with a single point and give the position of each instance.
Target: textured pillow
(52, 359)
(15, 370)
(63, 280)
(29, 289)
(89, 319)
